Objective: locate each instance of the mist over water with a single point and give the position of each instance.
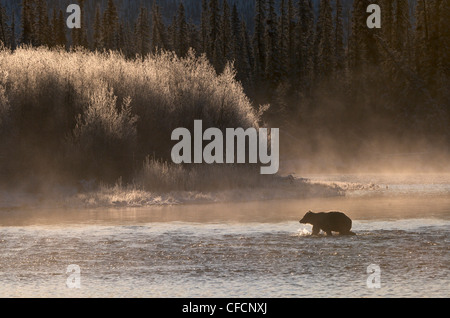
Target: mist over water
(243, 249)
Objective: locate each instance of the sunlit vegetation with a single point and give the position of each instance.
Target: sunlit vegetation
(90, 115)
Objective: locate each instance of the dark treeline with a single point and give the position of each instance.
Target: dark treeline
(322, 76)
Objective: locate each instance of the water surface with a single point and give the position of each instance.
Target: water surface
(253, 249)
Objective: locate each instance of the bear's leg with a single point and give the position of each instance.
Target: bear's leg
(315, 230)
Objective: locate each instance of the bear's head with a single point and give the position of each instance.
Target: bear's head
(307, 218)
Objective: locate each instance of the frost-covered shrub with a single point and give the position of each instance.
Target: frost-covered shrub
(5, 127)
(90, 114)
(105, 134)
(4, 105)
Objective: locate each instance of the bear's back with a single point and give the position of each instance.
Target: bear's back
(333, 221)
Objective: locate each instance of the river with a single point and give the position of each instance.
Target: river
(240, 249)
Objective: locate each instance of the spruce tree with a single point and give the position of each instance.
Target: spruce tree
(356, 46)
(44, 30)
(53, 25)
(226, 34)
(120, 37)
(402, 25)
(214, 32)
(248, 64)
(110, 26)
(444, 56)
(98, 31)
(303, 75)
(158, 30)
(205, 28)
(364, 52)
(172, 34)
(142, 33)
(387, 28)
(42, 23)
(4, 30)
(239, 54)
(284, 41)
(435, 45)
(123, 41)
(181, 39)
(60, 32)
(129, 40)
(259, 47)
(194, 37)
(339, 38)
(444, 39)
(27, 21)
(76, 32)
(387, 20)
(273, 73)
(13, 31)
(83, 38)
(237, 42)
(318, 38)
(324, 55)
(292, 28)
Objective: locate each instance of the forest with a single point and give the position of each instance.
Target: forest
(343, 95)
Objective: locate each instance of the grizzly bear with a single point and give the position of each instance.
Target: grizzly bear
(328, 222)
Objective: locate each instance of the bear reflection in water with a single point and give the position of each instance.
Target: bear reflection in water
(328, 222)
